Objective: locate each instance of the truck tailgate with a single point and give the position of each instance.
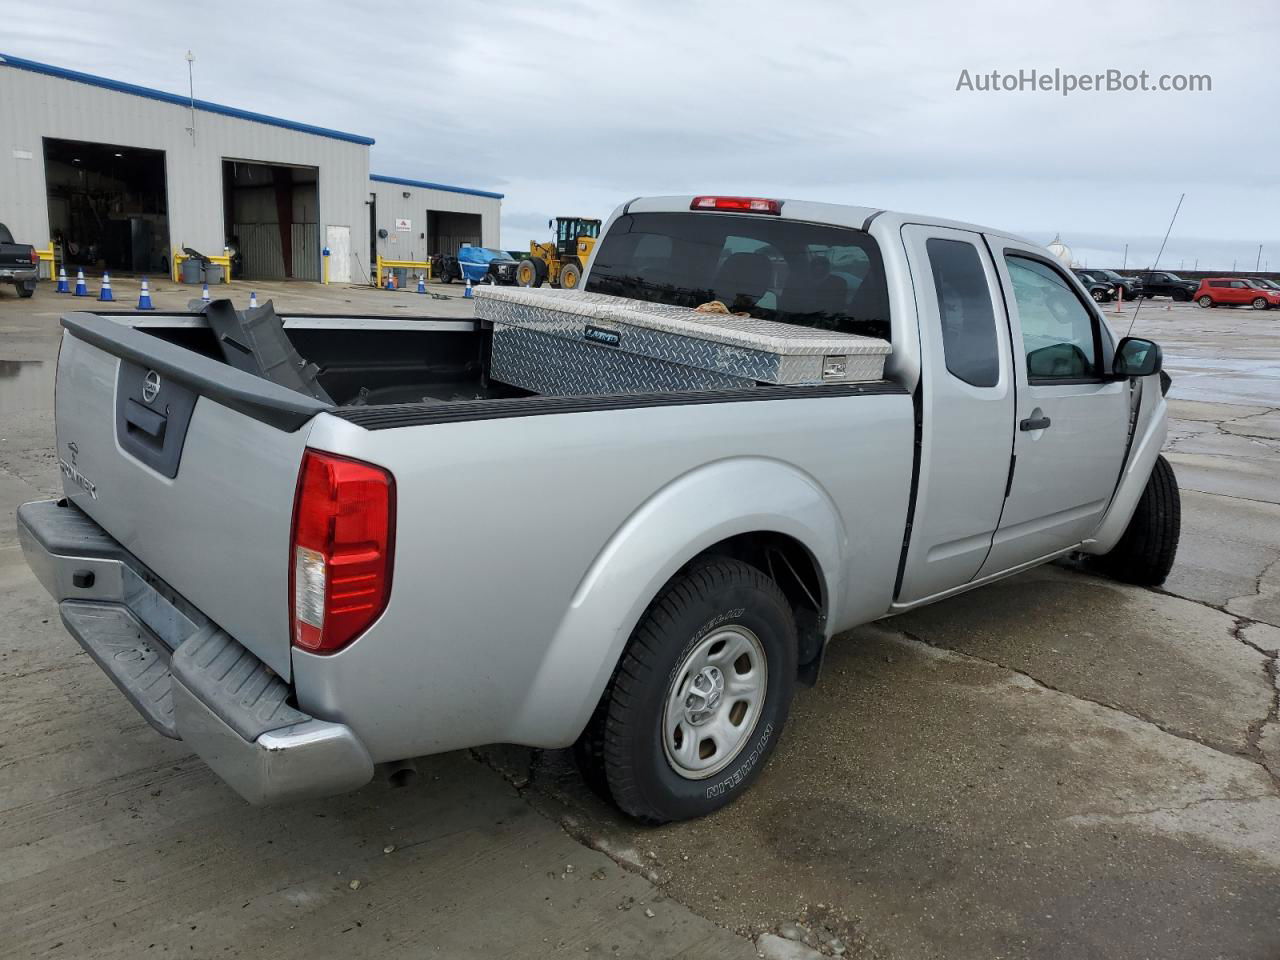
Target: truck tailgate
(191, 465)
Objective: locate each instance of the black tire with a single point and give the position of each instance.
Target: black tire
(1205, 301)
(1181, 296)
(1259, 303)
(1099, 296)
(570, 275)
(532, 275)
(625, 740)
(25, 289)
(1145, 552)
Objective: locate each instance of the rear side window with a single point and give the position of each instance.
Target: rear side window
(829, 278)
(5, 235)
(964, 308)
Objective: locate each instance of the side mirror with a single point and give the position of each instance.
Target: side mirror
(1136, 357)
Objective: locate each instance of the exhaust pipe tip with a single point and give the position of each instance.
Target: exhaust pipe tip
(400, 773)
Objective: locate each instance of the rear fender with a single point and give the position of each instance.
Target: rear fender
(680, 521)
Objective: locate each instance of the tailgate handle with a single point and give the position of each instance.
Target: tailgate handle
(143, 419)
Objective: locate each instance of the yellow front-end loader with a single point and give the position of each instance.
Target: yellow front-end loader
(560, 261)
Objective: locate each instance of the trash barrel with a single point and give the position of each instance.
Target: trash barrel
(213, 273)
(192, 271)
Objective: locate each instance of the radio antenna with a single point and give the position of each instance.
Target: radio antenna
(1157, 263)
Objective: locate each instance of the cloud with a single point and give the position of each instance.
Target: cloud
(574, 108)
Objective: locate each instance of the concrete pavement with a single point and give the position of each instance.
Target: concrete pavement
(1054, 766)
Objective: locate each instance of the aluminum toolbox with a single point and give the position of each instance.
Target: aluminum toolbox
(567, 342)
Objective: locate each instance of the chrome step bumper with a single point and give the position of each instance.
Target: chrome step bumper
(189, 679)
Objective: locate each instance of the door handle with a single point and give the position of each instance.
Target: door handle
(1035, 423)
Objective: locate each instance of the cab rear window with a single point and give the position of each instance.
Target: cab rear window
(829, 278)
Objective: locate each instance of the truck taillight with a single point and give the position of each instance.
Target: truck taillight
(737, 204)
(35, 257)
(343, 532)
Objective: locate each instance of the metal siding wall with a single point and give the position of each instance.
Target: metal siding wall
(260, 244)
(306, 251)
(33, 106)
(392, 206)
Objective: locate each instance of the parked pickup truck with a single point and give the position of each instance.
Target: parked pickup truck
(304, 568)
(19, 264)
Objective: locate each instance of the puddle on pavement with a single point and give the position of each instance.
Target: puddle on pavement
(25, 385)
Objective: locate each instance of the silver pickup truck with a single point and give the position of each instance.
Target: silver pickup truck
(348, 545)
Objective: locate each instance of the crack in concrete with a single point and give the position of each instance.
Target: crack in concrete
(1256, 730)
(1254, 752)
(1257, 584)
(1180, 808)
(1045, 685)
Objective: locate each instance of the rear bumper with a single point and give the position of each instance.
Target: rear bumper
(17, 274)
(186, 676)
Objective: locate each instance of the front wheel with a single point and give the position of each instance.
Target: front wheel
(528, 274)
(1205, 301)
(1181, 296)
(570, 276)
(700, 697)
(1144, 554)
(1260, 303)
(1099, 296)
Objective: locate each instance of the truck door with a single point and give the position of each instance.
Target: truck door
(966, 409)
(1072, 419)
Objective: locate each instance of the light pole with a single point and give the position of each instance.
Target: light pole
(191, 96)
(1258, 263)
(1125, 262)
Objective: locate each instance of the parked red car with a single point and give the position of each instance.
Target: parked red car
(1232, 291)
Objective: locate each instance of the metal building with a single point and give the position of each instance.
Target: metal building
(123, 177)
(413, 219)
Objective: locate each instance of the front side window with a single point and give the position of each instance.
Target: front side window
(1058, 332)
(789, 271)
(965, 312)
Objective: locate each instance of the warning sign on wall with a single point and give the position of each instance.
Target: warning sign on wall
(404, 226)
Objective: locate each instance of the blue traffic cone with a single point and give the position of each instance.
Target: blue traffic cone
(467, 293)
(62, 281)
(422, 284)
(253, 299)
(204, 293)
(81, 289)
(144, 296)
(105, 292)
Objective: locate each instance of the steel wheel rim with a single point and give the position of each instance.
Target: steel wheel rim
(714, 701)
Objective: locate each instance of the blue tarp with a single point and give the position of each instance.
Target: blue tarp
(474, 261)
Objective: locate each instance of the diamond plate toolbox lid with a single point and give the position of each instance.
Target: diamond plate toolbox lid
(761, 350)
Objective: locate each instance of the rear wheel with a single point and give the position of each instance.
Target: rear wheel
(700, 696)
(570, 275)
(1144, 555)
(25, 288)
(531, 272)
(1205, 301)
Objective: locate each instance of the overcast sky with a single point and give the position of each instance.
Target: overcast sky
(571, 108)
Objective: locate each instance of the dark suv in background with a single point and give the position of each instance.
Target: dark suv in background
(1157, 283)
(1132, 286)
(1102, 291)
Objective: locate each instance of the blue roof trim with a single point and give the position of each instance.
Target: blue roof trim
(152, 94)
(435, 186)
